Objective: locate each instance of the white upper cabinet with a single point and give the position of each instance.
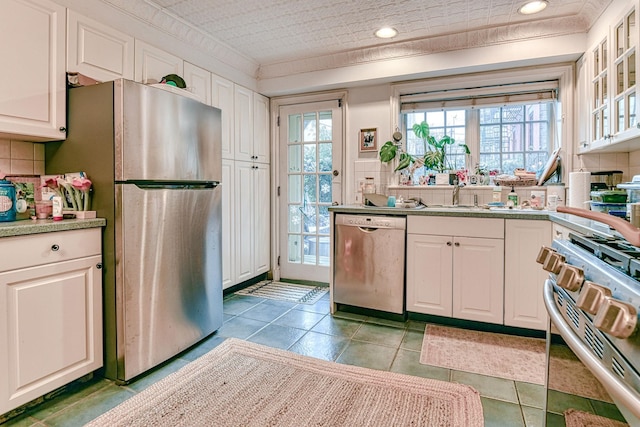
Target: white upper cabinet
(152, 64)
(33, 84)
(243, 103)
(222, 98)
(198, 81)
(261, 128)
(612, 90)
(98, 51)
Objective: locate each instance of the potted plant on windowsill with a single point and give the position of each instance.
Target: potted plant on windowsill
(435, 157)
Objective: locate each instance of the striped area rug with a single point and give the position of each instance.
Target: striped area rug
(240, 383)
(302, 294)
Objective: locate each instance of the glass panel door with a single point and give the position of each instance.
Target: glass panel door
(310, 147)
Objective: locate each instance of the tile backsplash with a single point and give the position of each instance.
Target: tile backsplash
(21, 158)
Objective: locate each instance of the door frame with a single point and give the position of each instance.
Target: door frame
(275, 104)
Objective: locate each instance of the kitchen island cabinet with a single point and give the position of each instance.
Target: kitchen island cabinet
(455, 267)
(33, 87)
(51, 312)
(523, 277)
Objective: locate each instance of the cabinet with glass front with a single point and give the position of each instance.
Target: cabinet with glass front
(614, 124)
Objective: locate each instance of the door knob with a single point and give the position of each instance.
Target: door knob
(335, 172)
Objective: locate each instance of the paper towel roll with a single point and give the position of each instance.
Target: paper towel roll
(579, 189)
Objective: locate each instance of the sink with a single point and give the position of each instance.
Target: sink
(455, 207)
(395, 208)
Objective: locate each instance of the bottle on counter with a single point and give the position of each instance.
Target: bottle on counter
(497, 194)
(7, 201)
(57, 208)
(512, 198)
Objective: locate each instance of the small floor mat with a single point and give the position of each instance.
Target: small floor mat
(575, 418)
(302, 294)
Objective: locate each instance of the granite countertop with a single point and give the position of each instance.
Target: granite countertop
(575, 223)
(471, 211)
(28, 226)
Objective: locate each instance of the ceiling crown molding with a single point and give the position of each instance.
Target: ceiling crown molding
(176, 27)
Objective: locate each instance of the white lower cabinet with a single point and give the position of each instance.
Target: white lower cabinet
(228, 224)
(524, 277)
(252, 213)
(455, 267)
(50, 312)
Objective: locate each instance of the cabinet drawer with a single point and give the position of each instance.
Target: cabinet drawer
(38, 249)
(491, 228)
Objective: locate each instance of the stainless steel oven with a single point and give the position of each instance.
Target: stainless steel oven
(593, 298)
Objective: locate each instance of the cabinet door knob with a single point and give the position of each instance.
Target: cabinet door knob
(99, 266)
(62, 129)
(55, 248)
(448, 243)
(456, 244)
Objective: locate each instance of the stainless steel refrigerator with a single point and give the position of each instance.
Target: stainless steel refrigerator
(154, 158)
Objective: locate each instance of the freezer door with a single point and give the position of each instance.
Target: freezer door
(160, 135)
(168, 273)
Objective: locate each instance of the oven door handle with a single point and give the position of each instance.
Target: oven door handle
(618, 390)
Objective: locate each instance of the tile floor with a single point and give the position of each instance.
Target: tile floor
(310, 330)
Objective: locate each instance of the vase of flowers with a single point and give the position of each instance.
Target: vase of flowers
(75, 193)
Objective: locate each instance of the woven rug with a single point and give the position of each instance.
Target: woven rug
(302, 294)
(575, 418)
(510, 357)
(245, 384)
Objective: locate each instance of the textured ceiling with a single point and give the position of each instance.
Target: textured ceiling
(274, 32)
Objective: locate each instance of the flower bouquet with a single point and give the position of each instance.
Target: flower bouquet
(75, 191)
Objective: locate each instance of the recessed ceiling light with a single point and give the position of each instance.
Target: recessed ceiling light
(386, 33)
(532, 7)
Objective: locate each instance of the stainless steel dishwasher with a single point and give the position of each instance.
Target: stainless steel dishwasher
(369, 262)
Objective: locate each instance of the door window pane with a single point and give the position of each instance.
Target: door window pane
(310, 127)
(325, 188)
(295, 128)
(309, 157)
(295, 219)
(295, 158)
(325, 157)
(310, 188)
(295, 248)
(295, 188)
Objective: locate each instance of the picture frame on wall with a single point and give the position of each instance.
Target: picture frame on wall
(369, 139)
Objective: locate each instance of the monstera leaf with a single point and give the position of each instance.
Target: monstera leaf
(388, 152)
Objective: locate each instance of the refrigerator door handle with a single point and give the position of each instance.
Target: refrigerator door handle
(172, 185)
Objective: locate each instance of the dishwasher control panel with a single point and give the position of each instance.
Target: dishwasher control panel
(371, 221)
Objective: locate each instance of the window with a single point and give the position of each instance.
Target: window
(441, 123)
(505, 126)
(503, 137)
(516, 136)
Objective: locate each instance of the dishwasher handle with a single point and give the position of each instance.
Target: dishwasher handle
(371, 223)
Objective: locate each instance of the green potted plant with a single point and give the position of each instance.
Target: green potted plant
(435, 156)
